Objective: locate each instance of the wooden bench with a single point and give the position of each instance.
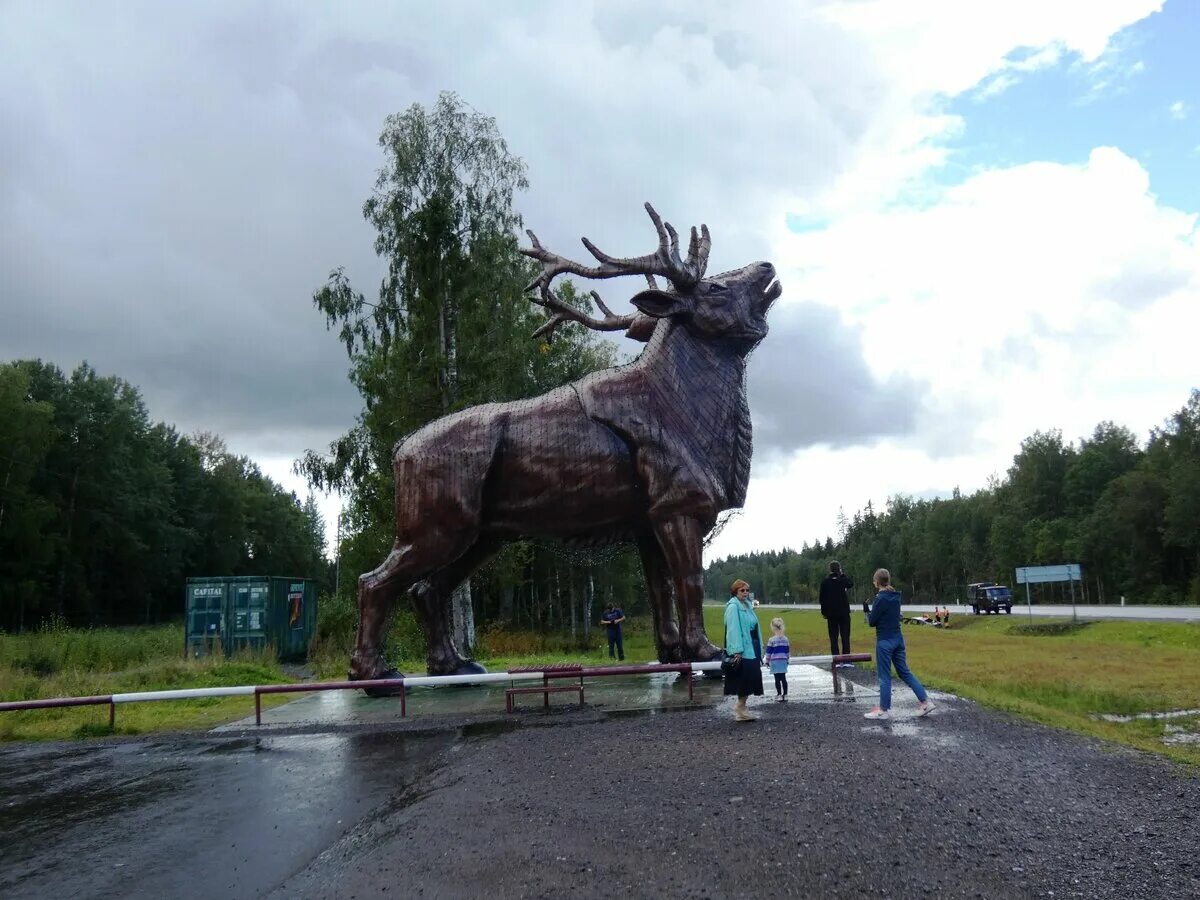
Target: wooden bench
(556, 670)
(545, 689)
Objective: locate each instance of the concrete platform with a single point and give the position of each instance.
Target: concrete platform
(806, 684)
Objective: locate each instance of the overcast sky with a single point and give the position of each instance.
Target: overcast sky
(984, 216)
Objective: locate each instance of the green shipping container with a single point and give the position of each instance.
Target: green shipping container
(250, 611)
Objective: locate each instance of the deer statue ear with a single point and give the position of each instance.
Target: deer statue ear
(660, 304)
(642, 328)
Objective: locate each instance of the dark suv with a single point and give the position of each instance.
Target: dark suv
(990, 598)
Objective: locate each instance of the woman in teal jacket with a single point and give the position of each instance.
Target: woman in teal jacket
(743, 643)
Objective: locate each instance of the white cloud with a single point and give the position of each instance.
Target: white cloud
(1041, 296)
(1178, 110)
(279, 470)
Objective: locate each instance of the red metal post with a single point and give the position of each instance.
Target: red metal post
(55, 702)
(403, 703)
(257, 707)
(112, 715)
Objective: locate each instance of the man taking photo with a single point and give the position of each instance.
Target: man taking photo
(612, 619)
(835, 607)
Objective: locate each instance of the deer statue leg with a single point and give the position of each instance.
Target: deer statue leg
(377, 593)
(431, 603)
(658, 586)
(682, 542)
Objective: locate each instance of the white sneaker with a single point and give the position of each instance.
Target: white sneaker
(924, 709)
(876, 714)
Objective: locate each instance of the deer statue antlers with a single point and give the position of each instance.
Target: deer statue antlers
(683, 274)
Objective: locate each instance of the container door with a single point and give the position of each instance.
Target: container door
(205, 617)
(297, 620)
(247, 616)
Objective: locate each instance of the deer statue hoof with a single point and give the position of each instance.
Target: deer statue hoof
(382, 691)
(465, 667)
(705, 651)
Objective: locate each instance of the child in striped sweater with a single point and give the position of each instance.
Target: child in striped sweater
(778, 652)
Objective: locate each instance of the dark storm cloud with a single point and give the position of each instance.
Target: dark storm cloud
(177, 180)
(809, 384)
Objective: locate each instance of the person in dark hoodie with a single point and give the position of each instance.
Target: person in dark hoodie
(884, 617)
(835, 608)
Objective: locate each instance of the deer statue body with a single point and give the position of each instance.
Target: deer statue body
(648, 453)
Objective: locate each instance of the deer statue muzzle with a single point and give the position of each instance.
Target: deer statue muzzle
(648, 453)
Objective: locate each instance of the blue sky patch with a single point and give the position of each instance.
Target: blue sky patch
(1142, 97)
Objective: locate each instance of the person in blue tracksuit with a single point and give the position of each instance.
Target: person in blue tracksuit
(779, 651)
(884, 617)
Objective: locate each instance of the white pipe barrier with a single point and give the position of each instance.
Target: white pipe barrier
(482, 678)
(494, 677)
(420, 681)
(186, 694)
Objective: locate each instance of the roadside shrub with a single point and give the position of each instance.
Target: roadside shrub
(1048, 629)
(337, 625)
(501, 641)
(54, 648)
(337, 617)
(38, 662)
(404, 640)
(1164, 595)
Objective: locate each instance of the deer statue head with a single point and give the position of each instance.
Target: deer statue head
(730, 307)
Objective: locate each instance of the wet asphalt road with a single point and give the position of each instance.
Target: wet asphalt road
(193, 816)
(810, 800)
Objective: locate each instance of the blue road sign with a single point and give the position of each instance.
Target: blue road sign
(1042, 574)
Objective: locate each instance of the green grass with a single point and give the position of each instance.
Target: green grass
(1064, 680)
(1060, 677)
(64, 662)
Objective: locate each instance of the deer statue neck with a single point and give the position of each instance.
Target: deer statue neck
(704, 382)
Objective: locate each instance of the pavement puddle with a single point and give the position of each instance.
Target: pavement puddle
(659, 692)
(909, 725)
(1173, 735)
(1172, 714)
(1177, 735)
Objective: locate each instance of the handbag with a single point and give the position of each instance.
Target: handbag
(730, 664)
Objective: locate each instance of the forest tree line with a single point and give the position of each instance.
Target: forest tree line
(104, 513)
(1128, 513)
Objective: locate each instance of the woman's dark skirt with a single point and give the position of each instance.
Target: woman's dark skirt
(746, 681)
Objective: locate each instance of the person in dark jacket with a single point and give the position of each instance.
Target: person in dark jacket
(884, 617)
(835, 607)
(612, 619)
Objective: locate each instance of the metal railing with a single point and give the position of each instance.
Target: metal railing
(403, 684)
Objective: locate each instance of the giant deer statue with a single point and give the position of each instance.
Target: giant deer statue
(650, 453)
